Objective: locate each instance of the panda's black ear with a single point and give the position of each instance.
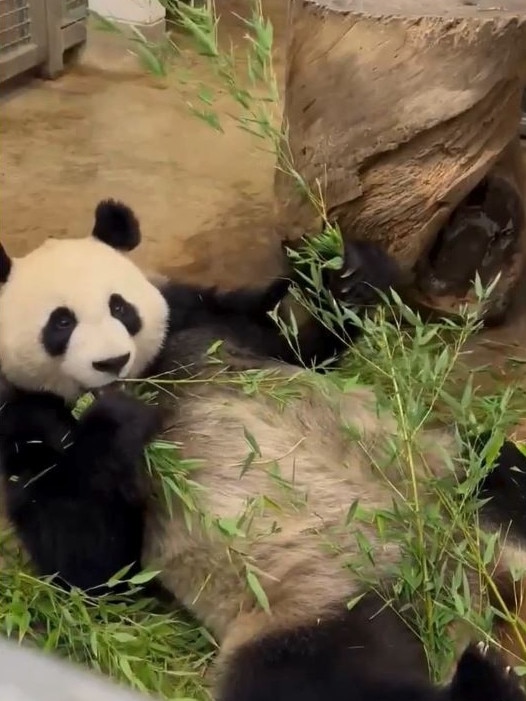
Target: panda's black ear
(5, 265)
(116, 225)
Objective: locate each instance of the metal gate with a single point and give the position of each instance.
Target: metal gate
(36, 33)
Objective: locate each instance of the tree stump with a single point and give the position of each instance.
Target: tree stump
(396, 110)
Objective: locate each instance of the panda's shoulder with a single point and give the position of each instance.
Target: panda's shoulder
(186, 303)
(192, 305)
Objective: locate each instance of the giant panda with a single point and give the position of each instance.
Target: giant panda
(77, 315)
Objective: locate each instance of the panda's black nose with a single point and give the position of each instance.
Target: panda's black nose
(113, 365)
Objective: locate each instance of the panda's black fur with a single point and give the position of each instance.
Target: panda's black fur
(78, 496)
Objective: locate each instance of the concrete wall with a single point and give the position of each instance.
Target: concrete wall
(146, 14)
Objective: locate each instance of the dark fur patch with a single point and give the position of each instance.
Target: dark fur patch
(367, 269)
(5, 265)
(126, 313)
(57, 331)
(482, 676)
(116, 225)
(73, 489)
(365, 654)
(505, 487)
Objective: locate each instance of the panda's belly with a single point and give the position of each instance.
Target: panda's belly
(293, 474)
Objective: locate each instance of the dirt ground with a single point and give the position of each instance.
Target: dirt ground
(105, 129)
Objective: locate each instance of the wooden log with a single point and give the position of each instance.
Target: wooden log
(395, 111)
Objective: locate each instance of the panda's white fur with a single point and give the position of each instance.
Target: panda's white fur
(332, 448)
(326, 444)
(80, 273)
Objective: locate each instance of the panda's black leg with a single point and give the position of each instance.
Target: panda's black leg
(363, 654)
(366, 269)
(481, 675)
(200, 305)
(73, 490)
(505, 487)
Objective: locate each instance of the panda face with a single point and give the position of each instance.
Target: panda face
(77, 315)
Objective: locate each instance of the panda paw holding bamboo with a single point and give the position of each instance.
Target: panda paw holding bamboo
(482, 676)
(85, 477)
(355, 281)
(78, 315)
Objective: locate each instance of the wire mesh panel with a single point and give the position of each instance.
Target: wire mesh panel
(38, 33)
(74, 10)
(15, 25)
(72, 5)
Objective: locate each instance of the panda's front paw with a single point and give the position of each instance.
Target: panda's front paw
(366, 269)
(132, 421)
(482, 675)
(37, 417)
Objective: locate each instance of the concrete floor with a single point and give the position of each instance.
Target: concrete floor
(106, 129)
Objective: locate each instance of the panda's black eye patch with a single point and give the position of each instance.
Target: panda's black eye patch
(57, 331)
(126, 313)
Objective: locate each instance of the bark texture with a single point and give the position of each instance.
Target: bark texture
(395, 111)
